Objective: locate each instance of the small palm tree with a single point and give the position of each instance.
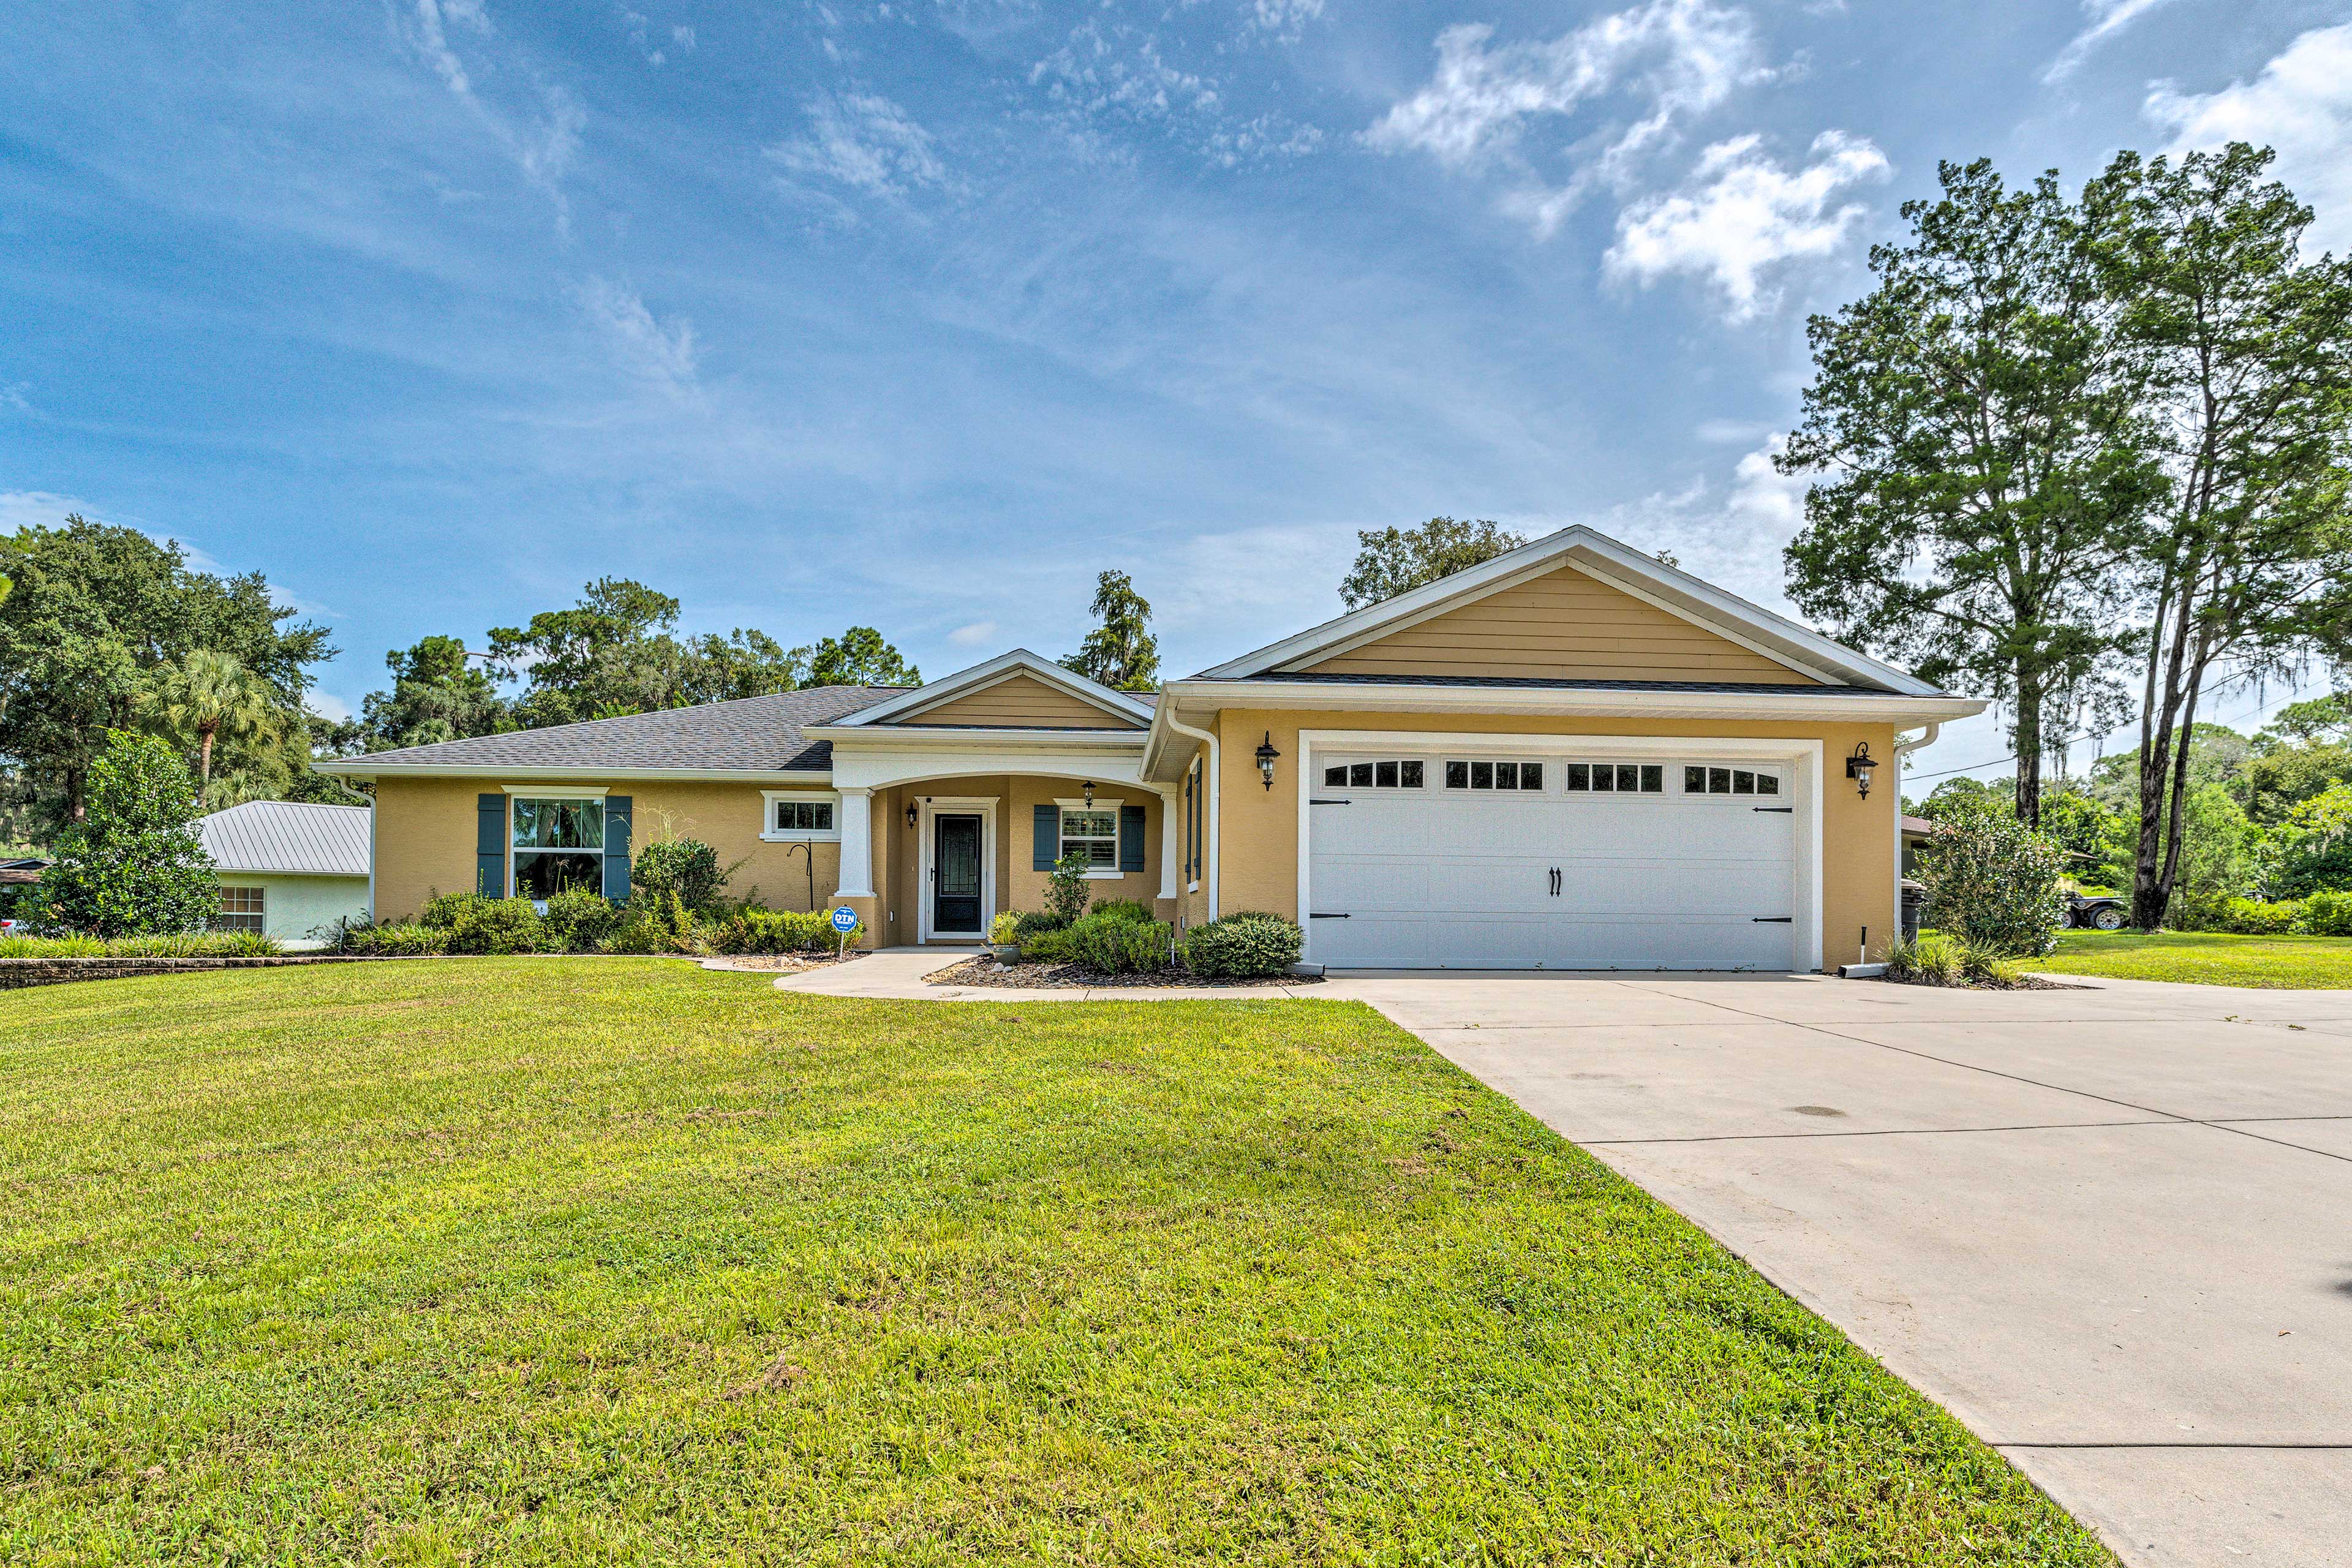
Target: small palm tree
(208, 695)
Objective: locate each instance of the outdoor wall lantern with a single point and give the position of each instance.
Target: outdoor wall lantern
(1086, 794)
(1860, 766)
(1265, 755)
(910, 814)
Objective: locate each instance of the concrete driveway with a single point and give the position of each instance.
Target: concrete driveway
(2109, 1229)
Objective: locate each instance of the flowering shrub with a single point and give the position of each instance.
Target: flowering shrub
(1995, 883)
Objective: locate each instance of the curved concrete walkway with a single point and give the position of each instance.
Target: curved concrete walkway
(897, 972)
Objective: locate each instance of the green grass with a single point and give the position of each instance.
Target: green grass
(557, 1262)
(2206, 958)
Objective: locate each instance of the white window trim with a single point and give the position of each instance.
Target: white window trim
(515, 852)
(1549, 765)
(1682, 787)
(1112, 804)
(558, 792)
(771, 833)
(1666, 789)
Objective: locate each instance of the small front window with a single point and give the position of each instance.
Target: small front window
(558, 844)
(1515, 776)
(1616, 778)
(1404, 772)
(1698, 779)
(241, 909)
(804, 816)
(1093, 834)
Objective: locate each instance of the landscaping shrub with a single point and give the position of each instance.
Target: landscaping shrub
(1031, 924)
(777, 930)
(1132, 910)
(160, 944)
(2251, 917)
(577, 920)
(1990, 966)
(1115, 942)
(2327, 914)
(398, 939)
(647, 927)
(1934, 958)
(685, 870)
(1245, 945)
(1003, 930)
(133, 865)
(1995, 883)
(484, 925)
(1065, 890)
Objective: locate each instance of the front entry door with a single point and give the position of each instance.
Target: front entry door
(955, 875)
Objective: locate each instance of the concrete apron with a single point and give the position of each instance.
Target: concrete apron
(2109, 1229)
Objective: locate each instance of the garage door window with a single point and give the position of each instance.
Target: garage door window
(1400, 774)
(1515, 776)
(1703, 780)
(1616, 778)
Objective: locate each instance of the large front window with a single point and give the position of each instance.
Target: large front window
(558, 844)
(1092, 833)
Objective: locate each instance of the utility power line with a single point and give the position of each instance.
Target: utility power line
(2100, 735)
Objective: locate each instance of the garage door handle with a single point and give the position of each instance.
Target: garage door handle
(1783, 810)
(1773, 920)
(1326, 917)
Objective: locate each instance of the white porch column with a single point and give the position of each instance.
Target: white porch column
(1172, 844)
(856, 845)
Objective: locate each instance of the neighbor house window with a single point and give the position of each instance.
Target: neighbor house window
(799, 816)
(1520, 776)
(558, 844)
(1615, 778)
(1699, 780)
(1403, 774)
(1093, 834)
(241, 909)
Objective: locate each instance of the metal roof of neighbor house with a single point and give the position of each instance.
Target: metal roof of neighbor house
(287, 836)
(756, 734)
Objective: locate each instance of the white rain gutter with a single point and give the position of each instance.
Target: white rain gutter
(1212, 865)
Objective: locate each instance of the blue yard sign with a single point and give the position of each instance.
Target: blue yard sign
(844, 919)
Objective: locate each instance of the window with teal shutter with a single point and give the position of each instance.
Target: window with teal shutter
(491, 846)
(616, 846)
(1045, 841)
(1130, 838)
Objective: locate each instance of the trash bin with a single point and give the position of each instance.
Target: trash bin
(1915, 898)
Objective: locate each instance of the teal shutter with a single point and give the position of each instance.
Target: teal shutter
(491, 846)
(1131, 839)
(616, 846)
(1046, 846)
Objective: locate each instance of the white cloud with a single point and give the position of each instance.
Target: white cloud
(1284, 20)
(541, 144)
(328, 706)
(979, 634)
(1733, 534)
(661, 352)
(2107, 17)
(683, 38)
(1730, 432)
(1679, 58)
(41, 509)
(1741, 213)
(2302, 105)
(865, 142)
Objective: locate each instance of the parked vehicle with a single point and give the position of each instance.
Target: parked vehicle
(2099, 912)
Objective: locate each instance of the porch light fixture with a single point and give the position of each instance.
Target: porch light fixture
(1860, 766)
(911, 814)
(1265, 755)
(1086, 794)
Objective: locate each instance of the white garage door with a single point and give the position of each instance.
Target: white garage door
(1550, 860)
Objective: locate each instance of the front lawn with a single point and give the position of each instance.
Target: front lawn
(558, 1261)
(2206, 958)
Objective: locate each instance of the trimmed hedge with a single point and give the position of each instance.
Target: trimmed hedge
(1250, 944)
(175, 944)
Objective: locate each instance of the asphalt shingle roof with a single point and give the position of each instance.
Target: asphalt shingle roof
(1759, 687)
(288, 835)
(757, 734)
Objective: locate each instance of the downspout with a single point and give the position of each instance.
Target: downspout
(1211, 865)
(1904, 747)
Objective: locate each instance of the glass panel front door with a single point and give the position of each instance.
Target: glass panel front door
(955, 875)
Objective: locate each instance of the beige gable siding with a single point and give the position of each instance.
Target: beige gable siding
(1019, 701)
(1563, 625)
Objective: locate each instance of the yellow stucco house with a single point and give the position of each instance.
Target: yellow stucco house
(1570, 757)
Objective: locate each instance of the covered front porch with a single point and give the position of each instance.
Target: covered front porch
(931, 860)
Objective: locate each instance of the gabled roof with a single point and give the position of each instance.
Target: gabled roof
(905, 707)
(751, 734)
(288, 837)
(1620, 566)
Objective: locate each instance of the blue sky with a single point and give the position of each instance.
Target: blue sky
(922, 314)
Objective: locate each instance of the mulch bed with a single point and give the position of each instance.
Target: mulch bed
(2031, 983)
(777, 963)
(1071, 977)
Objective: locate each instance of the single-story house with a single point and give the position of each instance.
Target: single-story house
(1571, 756)
(1915, 831)
(287, 869)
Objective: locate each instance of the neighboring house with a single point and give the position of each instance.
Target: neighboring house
(1916, 831)
(1572, 756)
(287, 869)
